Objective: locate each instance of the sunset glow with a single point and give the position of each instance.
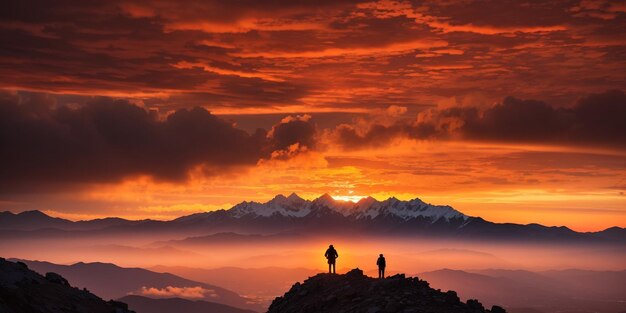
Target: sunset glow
(348, 198)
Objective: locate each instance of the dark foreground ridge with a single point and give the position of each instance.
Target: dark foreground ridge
(25, 291)
(355, 292)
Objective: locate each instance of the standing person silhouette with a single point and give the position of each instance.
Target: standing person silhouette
(381, 266)
(332, 255)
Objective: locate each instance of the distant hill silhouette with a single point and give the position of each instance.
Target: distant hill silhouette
(149, 305)
(355, 292)
(112, 281)
(25, 291)
(612, 233)
(580, 291)
(33, 220)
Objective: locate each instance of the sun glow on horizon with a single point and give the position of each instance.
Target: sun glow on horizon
(348, 198)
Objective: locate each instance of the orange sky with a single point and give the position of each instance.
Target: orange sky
(510, 111)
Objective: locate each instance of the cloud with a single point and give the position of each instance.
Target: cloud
(107, 140)
(490, 30)
(377, 135)
(601, 117)
(513, 119)
(181, 292)
(292, 130)
(51, 142)
(596, 119)
(394, 48)
(279, 55)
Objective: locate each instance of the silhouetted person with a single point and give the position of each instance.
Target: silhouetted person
(381, 266)
(332, 255)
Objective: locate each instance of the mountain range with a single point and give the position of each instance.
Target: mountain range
(295, 215)
(571, 290)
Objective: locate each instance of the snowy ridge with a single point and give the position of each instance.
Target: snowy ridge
(281, 205)
(294, 206)
(409, 209)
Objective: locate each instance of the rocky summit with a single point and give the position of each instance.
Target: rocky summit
(355, 292)
(25, 291)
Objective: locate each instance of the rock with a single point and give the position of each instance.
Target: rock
(355, 273)
(452, 298)
(56, 279)
(355, 292)
(22, 264)
(118, 305)
(497, 309)
(474, 304)
(374, 309)
(392, 307)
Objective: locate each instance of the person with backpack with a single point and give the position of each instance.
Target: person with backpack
(381, 266)
(331, 255)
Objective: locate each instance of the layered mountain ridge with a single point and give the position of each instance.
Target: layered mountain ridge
(295, 215)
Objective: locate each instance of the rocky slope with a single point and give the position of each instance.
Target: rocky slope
(25, 291)
(355, 292)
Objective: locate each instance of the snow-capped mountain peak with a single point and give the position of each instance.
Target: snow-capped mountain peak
(294, 206)
(345, 208)
(365, 203)
(279, 205)
(412, 209)
(294, 197)
(325, 200)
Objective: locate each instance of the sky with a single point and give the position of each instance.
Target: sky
(513, 111)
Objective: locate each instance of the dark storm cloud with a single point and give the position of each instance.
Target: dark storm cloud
(512, 120)
(105, 140)
(601, 117)
(294, 130)
(597, 119)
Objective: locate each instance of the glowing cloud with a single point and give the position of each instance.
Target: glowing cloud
(182, 292)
